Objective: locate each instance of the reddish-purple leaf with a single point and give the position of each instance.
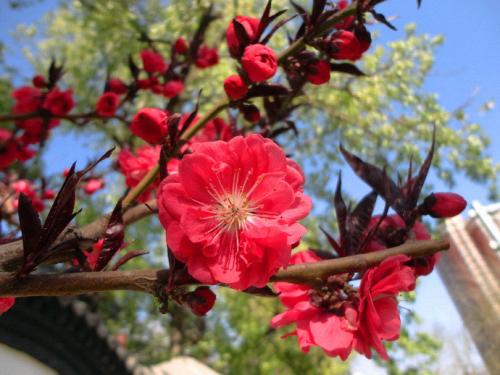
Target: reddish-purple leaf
(346, 68)
(113, 238)
(377, 179)
(30, 224)
(267, 90)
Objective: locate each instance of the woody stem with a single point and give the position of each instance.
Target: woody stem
(150, 281)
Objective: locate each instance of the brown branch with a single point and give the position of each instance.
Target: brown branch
(150, 281)
(11, 254)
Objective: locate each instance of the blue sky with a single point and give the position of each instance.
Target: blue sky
(466, 68)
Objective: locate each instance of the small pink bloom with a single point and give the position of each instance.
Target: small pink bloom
(24, 153)
(117, 86)
(150, 124)
(206, 57)
(231, 212)
(250, 25)
(107, 104)
(173, 88)
(135, 167)
(93, 185)
(8, 149)
(153, 62)
(235, 87)
(28, 99)
(181, 46)
(59, 102)
(259, 62)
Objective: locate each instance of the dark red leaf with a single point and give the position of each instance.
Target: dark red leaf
(417, 183)
(377, 179)
(341, 212)
(267, 90)
(30, 224)
(113, 237)
(381, 18)
(358, 221)
(338, 248)
(346, 68)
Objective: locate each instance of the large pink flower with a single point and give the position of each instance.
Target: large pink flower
(378, 307)
(231, 213)
(338, 317)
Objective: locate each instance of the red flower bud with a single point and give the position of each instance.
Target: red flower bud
(150, 124)
(107, 104)
(180, 46)
(117, 86)
(201, 300)
(25, 153)
(143, 84)
(259, 62)
(441, 205)
(92, 185)
(153, 62)
(319, 72)
(206, 57)
(59, 102)
(173, 88)
(39, 81)
(348, 46)
(250, 24)
(48, 194)
(235, 87)
(8, 149)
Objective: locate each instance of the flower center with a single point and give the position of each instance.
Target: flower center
(335, 295)
(233, 211)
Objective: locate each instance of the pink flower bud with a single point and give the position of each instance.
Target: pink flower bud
(107, 104)
(173, 88)
(259, 62)
(348, 46)
(201, 300)
(150, 124)
(180, 46)
(153, 62)
(235, 87)
(39, 81)
(441, 205)
(319, 72)
(117, 86)
(206, 57)
(250, 25)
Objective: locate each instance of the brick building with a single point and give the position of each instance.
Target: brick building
(471, 273)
